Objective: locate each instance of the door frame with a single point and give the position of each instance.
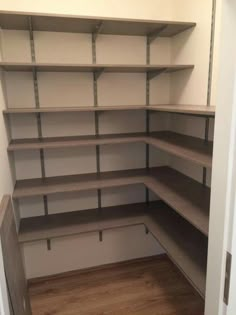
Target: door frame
(224, 159)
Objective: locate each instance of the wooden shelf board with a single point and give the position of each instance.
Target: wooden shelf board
(60, 142)
(185, 245)
(59, 184)
(83, 24)
(69, 67)
(190, 148)
(183, 109)
(92, 108)
(188, 197)
(77, 222)
(187, 147)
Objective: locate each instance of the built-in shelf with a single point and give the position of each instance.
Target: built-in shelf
(77, 222)
(74, 141)
(82, 24)
(69, 67)
(185, 245)
(181, 223)
(187, 196)
(184, 109)
(82, 182)
(190, 148)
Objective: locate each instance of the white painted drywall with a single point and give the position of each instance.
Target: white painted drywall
(137, 9)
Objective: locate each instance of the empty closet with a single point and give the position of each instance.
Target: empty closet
(110, 131)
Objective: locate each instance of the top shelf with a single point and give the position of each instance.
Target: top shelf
(87, 24)
(69, 67)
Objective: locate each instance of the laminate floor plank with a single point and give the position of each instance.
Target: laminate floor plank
(151, 286)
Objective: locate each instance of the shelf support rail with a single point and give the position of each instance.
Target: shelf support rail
(98, 29)
(38, 115)
(95, 34)
(152, 74)
(209, 86)
(149, 76)
(96, 75)
(207, 125)
(8, 124)
(151, 37)
(147, 111)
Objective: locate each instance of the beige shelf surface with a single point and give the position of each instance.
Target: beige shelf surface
(190, 148)
(69, 67)
(70, 223)
(185, 245)
(184, 109)
(188, 197)
(83, 24)
(60, 142)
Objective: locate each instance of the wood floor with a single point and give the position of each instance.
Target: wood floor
(150, 286)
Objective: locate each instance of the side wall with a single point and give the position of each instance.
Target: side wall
(137, 9)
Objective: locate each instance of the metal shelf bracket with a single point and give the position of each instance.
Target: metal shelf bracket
(153, 35)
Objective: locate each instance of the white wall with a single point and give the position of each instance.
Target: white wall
(137, 9)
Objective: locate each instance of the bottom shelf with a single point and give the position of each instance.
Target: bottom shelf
(185, 245)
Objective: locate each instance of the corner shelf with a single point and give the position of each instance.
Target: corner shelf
(82, 24)
(185, 245)
(188, 197)
(198, 110)
(189, 148)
